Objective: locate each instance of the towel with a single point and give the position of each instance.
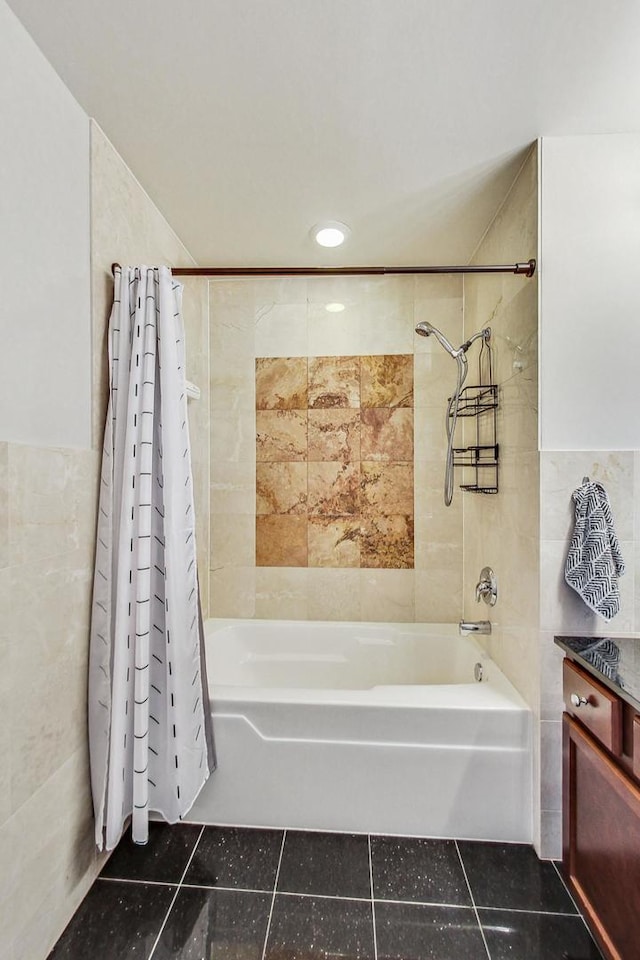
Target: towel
(594, 562)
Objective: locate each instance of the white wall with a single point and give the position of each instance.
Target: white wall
(590, 305)
(45, 328)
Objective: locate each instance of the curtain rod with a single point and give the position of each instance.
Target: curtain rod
(527, 269)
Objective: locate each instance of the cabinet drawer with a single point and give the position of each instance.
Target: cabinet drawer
(594, 706)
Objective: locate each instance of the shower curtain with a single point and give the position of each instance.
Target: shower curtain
(150, 737)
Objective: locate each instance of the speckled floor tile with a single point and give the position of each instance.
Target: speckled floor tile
(536, 936)
(225, 924)
(163, 858)
(428, 871)
(509, 875)
(115, 921)
(412, 931)
(236, 857)
(327, 864)
(315, 928)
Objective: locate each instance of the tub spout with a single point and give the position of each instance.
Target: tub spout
(474, 626)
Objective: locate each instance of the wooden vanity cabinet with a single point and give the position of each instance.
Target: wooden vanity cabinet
(601, 812)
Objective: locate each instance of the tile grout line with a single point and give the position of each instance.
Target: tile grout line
(564, 884)
(373, 903)
(184, 873)
(473, 902)
(273, 895)
(579, 911)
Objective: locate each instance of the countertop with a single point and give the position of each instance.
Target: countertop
(615, 661)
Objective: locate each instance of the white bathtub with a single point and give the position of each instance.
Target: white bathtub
(364, 727)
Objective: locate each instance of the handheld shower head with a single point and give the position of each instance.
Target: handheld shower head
(425, 329)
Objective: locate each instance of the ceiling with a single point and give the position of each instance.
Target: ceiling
(248, 121)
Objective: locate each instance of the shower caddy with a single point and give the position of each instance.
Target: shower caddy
(481, 403)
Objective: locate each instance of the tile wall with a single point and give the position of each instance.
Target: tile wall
(48, 505)
(271, 320)
(561, 609)
(334, 470)
(503, 531)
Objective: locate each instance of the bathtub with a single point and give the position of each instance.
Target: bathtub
(364, 728)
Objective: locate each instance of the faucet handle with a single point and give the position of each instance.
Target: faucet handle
(487, 587)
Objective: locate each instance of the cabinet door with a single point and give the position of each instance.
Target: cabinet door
(601, 854)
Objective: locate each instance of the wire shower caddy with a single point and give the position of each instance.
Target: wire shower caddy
(480, 460)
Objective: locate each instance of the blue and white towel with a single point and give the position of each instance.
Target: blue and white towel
(594, 562)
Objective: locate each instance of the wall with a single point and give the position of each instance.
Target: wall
(561, 609)
(44, 249)
(502, 531)
(590, 336)
(288, 318)
(126, 227)
(47, 486)
(49, 463)
(589, 340)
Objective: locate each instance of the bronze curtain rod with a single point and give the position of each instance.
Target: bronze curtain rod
(526, 269)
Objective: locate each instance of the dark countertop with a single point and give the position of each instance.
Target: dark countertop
(615, 661)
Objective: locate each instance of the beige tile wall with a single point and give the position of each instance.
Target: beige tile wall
(503, 531)
(561, 610)
(288, 318)
(48, 503)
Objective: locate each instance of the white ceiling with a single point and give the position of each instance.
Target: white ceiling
(248, 121)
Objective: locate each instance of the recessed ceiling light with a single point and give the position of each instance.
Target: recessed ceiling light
(334, 307)
(330, 233)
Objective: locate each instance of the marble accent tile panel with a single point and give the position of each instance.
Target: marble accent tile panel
(281, 383)
(387, 541)
(386, 381)
(281, 541)
(4, 504)
(281, 435)
(386, 488)
(386, 434)
(334, 382)
(281, 487)
(334, 489)
(334, 434)
(334, 542)
(329, 440)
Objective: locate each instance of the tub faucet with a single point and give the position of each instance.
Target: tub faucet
(475, 626)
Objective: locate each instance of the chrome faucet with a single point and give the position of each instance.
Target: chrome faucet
(475, 626)
(487, 587)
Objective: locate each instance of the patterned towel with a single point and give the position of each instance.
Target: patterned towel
(594, 561)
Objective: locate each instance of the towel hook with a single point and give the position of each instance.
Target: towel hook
(586, 480)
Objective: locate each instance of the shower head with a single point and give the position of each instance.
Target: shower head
(426, 329)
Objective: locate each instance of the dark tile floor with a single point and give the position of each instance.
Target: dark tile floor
(222, 893)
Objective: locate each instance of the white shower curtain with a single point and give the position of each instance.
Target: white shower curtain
(149, 720)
